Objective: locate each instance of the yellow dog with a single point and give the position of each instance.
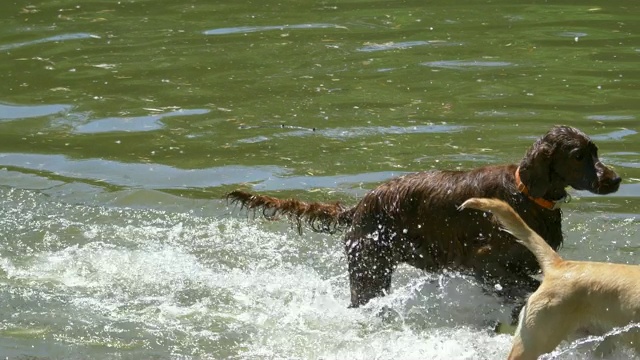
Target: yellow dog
(574, 295)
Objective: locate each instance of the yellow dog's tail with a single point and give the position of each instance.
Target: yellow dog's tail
(514, 225)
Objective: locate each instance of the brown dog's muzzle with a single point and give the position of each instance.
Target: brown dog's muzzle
(608, 181)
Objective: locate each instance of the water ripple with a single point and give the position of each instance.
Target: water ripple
(132, 124)
(572, 34)
(459, 64)
(13, 112)
(149, 176)
(610, 117)
(341, 133)
(371, 47)
(63, 37)
(354, 132)
(614, 135)
(251, 29)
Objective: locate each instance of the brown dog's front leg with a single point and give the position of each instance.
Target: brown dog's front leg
(370, 270)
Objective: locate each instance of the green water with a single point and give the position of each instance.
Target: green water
(124, 123)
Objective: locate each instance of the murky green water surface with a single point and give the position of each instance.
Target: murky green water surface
(123, 124)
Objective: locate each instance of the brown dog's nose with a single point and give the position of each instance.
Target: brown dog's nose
(616, 180)
(609, 185)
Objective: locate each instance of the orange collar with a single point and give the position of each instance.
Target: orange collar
(547, 204)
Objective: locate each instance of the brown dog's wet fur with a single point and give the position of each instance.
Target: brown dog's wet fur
(320, 217)
(574, 295)
(414, 219)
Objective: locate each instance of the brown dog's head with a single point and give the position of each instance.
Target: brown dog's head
(565, 156)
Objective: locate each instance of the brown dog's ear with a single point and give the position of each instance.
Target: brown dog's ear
(535, 168)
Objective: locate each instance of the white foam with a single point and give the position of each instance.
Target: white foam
(185, 286)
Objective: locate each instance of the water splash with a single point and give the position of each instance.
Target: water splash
(134, 282)
(593, 339)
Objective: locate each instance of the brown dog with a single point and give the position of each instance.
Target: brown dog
(414, 219)
(573, 295)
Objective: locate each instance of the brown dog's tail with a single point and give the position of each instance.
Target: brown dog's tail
(514, 224)
(323, 218)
